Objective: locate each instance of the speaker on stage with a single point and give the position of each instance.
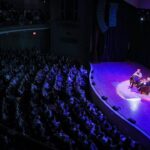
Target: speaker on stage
(113, 14)
(92, 77)
(101, 15)
(104, 98)
(116, 108)
(93, 83)
(132, 120)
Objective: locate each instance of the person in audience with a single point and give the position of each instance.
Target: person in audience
(46, 98)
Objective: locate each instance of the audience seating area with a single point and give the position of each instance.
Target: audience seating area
(46, 98)
(10, 16)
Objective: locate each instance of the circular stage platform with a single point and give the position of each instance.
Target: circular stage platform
(111, 80)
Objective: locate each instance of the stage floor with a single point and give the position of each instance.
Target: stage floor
(112, 80)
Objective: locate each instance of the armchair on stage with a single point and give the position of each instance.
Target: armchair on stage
(143, 85)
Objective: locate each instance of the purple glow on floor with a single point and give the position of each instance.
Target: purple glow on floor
(112, 80)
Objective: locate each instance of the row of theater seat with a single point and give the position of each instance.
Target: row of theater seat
(11, 16)
(47, 98)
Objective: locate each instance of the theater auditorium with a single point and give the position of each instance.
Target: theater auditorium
(74, 74)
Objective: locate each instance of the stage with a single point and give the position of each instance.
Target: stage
(112, 80)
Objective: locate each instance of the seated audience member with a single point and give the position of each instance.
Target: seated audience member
(46, 99)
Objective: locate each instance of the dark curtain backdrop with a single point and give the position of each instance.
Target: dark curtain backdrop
(118, 39)
(115, 44)
(129, 40)
(141, 48)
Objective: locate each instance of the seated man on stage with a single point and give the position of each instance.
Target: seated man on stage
(142, 83)
(135, 78)
(144, 86)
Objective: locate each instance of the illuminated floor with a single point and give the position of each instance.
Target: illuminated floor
(112, 80)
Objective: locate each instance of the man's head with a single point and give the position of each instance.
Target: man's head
(138, 70)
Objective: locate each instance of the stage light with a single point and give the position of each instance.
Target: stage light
(141, 19)
(134, 103)
(34, 33)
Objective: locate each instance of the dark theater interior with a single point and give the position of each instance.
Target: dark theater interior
(74, 74)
